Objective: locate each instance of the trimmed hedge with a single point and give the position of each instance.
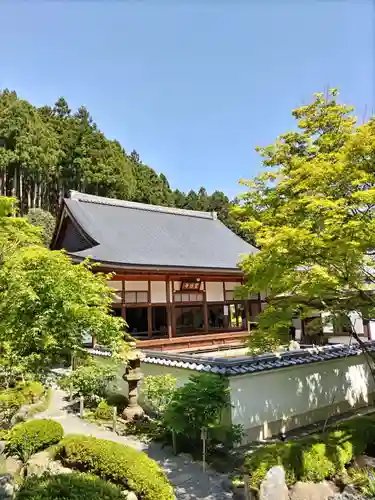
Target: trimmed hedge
(74, 486)
(27, 438)
(117, 463)
(316, 457)
(103, 411)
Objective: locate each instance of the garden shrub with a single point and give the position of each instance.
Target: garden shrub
(199, 403)
(12, 399)
(117, 463)
(90, 380)
(316, 457)
(27, 438)
(74, 486)
(103, 411)
(158, 391)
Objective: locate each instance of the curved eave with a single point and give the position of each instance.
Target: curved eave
(155, 268)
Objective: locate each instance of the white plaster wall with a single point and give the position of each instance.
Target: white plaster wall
(159, 292)
(176, 286)
(231, 285)
(357, 322)
(136, 286)
(262, 398)
(214, 291)
(260, 401)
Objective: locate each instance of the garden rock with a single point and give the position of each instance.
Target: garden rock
(21, 415)
(312, 491)
(364, 462)
(130, 495)
(274, 487)
(42, 462)
(6, 486)
(227, 484)
(2, 447)
(13, 465)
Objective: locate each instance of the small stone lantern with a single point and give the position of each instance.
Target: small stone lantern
(133, 376)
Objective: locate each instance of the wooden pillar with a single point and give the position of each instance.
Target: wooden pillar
(123, 305)
(149, 321)
(247, 314)
(169, 308)
(149, 312)
(205, 308)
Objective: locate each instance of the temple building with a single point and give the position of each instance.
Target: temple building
(176, 270)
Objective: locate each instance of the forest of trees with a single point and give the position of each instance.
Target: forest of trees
(47, 151)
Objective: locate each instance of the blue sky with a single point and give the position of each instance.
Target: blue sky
(192, 86)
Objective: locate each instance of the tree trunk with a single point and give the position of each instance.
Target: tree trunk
(21, 193)
(14, 187)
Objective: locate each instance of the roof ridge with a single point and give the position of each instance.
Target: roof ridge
(100, 200)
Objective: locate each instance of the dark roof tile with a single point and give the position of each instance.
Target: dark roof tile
(130, 233)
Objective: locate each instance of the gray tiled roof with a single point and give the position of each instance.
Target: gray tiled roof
(145, 235)
(247, 364)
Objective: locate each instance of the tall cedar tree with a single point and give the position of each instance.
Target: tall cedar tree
(45, 152)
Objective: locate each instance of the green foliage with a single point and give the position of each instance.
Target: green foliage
(103, 411)
(196, 405)
(311, 214)
(4, 434)
(32, 391)
(74, 486)
(364, 480)
(158, 391)
(27, 438)
(89, 380)
(15, 232)
(117, 463)
(314, 458)
(12, 399)
(45, 220)
(47, 303)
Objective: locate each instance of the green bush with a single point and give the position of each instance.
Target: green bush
(27, 438)
(74, 486)
(199, 403)
(89, 380)
(158, 391)
(117, 463)
(316, 457)
(103, 411)
(11, 401)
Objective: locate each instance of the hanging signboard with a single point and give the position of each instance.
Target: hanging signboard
(194, 286)
(226, 311)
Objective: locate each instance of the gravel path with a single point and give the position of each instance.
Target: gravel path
(190, 482)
